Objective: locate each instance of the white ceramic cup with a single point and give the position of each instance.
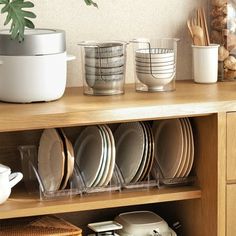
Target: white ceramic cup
(205, 63)
(7, 181)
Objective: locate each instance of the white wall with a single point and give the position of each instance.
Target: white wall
(118, 19)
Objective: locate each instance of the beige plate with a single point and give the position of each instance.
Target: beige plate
(187, 161)
(191, 155)
(184, 159)
(69, 166)
(169, 143)
(51, 159)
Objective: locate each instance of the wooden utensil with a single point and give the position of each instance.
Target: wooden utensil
(190, 29)
(203, 16)
(198, 34)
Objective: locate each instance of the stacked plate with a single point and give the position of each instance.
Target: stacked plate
(134, 151)
(95, 155)
(55, 159)
(155, 67)
(174, 147)
(105, 67)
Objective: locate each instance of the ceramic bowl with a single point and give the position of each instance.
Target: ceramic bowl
(155, 69)
(156, 80)
(155, 53)
(104, 71)
(104, 50)
(105, 62)
(95, 80)
(105, 87)
(165, 60)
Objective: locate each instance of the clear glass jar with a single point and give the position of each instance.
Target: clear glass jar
(104, 66)
(155, 64)
(223, 32)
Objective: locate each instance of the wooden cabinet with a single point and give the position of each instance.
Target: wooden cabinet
(231, 175)
(200, 208)
(231, 210)
(231, 147)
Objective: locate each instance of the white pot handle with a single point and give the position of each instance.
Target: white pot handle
(70, 57)
(15, 178)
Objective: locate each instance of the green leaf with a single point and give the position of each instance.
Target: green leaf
(4, 1)
(18, 17)
(91, 2)
(8, 19)
(29, 23)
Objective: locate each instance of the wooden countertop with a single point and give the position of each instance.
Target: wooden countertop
(74, 108)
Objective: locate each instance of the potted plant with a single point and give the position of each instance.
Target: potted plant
(20, 18)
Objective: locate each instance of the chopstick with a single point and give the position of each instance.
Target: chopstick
(204, 26)
(201, 24)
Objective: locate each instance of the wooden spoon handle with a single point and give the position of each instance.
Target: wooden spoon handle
(190, 29)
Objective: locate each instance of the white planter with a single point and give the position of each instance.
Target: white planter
(25, 79)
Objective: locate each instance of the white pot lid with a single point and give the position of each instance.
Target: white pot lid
(4, 169)
(36, 42)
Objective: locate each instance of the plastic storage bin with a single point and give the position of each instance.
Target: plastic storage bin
(103, 65)
(155, 64)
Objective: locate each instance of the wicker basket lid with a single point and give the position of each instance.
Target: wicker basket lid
(38, 226)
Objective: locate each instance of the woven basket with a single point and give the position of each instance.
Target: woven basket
(45, 225)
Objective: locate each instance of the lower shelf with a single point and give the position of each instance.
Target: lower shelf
(21, 204)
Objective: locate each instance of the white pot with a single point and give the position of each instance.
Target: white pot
(25, 79)
(7, 181)
(35, 69)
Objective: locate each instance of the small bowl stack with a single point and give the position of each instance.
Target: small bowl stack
(105, 68)
(155, 67)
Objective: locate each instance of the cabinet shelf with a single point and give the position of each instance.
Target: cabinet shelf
(20, 204)
(76, 109)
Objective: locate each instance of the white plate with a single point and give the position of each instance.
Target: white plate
(89, 154)
(51, 159)
(168, 136)
(106, 157)
(184, 160)
(144, 161)
(129, 139)
(112, 156)
(191, 155)
(105, 226)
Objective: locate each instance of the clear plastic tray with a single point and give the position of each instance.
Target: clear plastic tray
(75, 186)
(171, 182)
(114, 184)
(148, 183)
(34, 183)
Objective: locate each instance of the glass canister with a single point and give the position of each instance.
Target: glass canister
(223, 32)
(104, 67)
(155, 64)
